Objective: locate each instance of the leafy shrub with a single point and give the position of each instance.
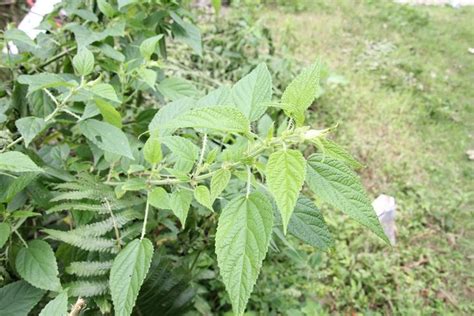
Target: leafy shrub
(94, 177)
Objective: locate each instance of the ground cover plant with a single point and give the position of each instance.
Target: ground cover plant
(119, 178)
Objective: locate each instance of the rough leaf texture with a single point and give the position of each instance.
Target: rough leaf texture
(285, 175)
(128, 272)
(335, 183)
(242, 239)
(307, 224)
(18, 298)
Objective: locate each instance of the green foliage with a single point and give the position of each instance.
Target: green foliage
(110, 152)
(19, 298)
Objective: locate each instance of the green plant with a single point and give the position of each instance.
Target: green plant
(89, 164)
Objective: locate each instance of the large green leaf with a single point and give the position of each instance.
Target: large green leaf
(252, 92)
(16, 186)
(17, 162)
(4, 233)
(186, 32)
(307, 223)
(285, 173)
(107, 137)
(37, 265)
(152, 150)
(335, 183)
(242, 239)
(127, 274)
(301, 92)
(56, 307)
(109, 113)
(29, 127)
(184, 151)
(18, 298)
(334, 150)
(220, 118)
(105, 91)
(148, 46)
(167, 114)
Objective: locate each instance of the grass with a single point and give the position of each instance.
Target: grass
(407, 112)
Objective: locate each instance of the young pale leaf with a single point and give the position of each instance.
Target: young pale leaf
(56, 307)
(19, 298)
(242, 239)
(29, 127)
(307, 223)
(17, 162)
(152, 150)
(105, 91)
(109, 113)
(83, 62)
(221, 118)
(159, 198)
(127, 274)
(285, 173)
(175, 88)
(106, 8)
(107, 137)
(149, 76)
(219, 182)
(148, 46)
(335, 183)
(180, 202)
(301, 92)
(37, 265)
(4, 233)
(252, 92)
(203, 196)
(334, 150)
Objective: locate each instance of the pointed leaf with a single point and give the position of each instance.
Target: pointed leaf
(222, 118)
(219, 182)
(159, 198)
(152, 150)
(127, 274)
(83, 62)
(4, 233)
(334, 150)
(37, 265)
(107, 137)
(180, 202)
(175, 88)
(17, 162)
(252, 92)
(148, 46)
(307, 223)
(242, 239)
(167, 114)
(105, 91)
(29, 127)
(285, 173)
(56, 307)
(335, 183)
(203, 196)
(109, 113)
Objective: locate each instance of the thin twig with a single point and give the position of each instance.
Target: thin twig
(117, 232)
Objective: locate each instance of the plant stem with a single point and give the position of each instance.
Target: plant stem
(147, 209)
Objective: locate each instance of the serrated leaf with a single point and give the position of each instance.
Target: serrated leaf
(242, 239)
(106, 8)
(29, 127)
(334, 150)
(285, 173)
(301, 92)
(127, 274)
(83, 62)
(15, 161)
(152, 150)
(335, 183)
(184, 151)
(159, 198)
(109, 113)
(16, 186)
(219, 96)
(56, 307)
(89, 268)
(180, 201)
(85, 288)
(37, 265)
(251, 93)
(148, 46)
(19, 298)
(222, 118)
(107, 137)
(219, 182)
(167, 114)
(203, 196)
(4, 233)
(307, 223)
(40, 104)
(175, 88)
